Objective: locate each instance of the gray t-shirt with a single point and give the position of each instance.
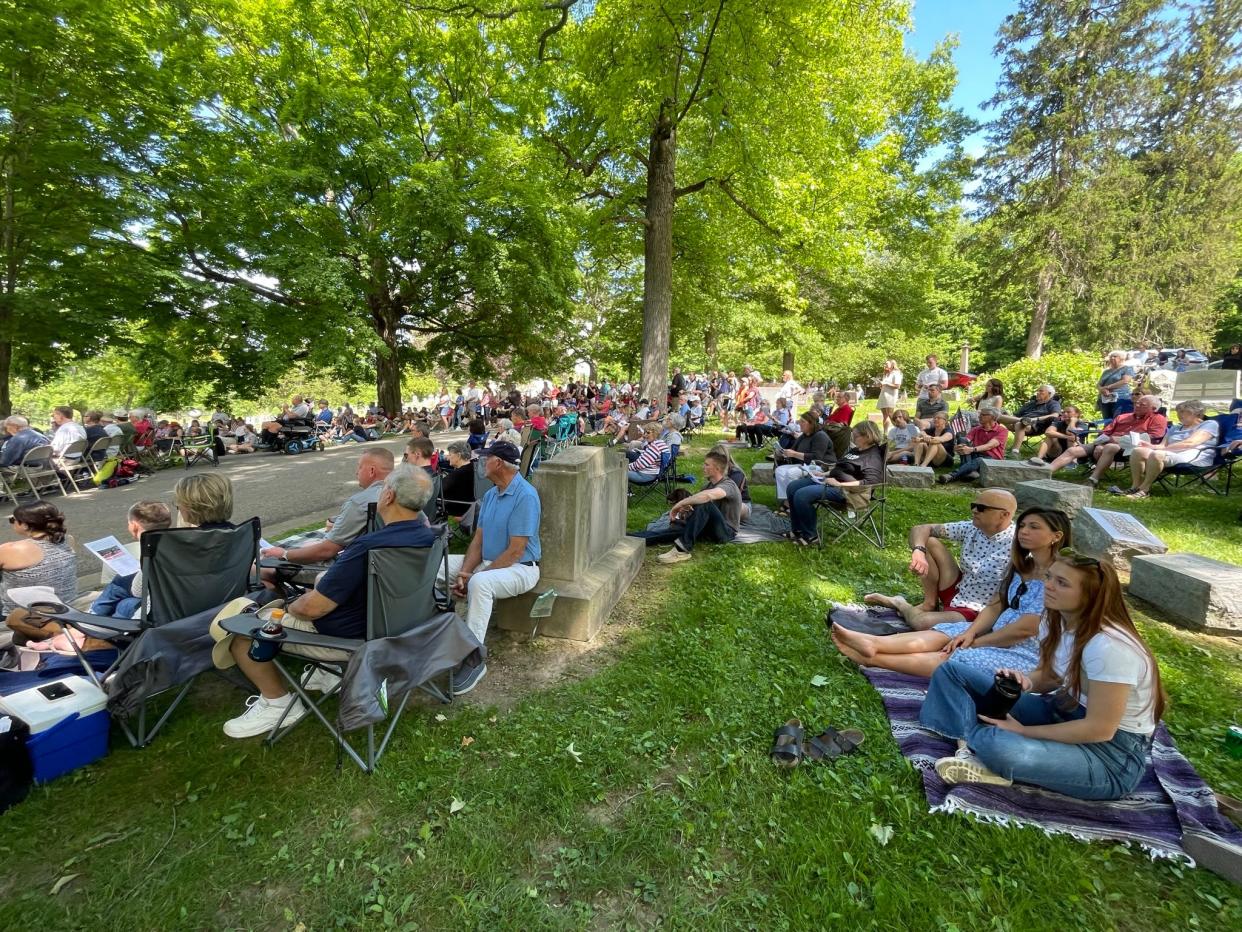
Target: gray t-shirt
(925, 409)
(731, 505)
(351, 520)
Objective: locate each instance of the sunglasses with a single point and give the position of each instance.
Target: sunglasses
(979, 506)
(1017, 596)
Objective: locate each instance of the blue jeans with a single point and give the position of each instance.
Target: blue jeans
(117, 599)
(1102, 770)
(802, 494)
(969, 467)
(641, 478)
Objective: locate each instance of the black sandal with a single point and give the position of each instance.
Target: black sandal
(787, 745)
(832, 744)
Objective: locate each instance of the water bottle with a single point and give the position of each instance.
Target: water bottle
(265, 642)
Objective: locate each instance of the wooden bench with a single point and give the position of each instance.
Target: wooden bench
(1213, 387)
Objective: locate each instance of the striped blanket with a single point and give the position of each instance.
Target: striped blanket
(1171, 799)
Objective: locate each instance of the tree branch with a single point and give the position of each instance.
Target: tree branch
(746, 208)
(691, 188)
(707, 49)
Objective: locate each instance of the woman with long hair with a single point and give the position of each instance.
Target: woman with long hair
(1084, 722)
(1003, 634)
(890, 385)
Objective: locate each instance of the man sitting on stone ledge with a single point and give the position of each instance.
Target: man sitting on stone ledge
(986, 440)
(502, 560)
(957, 590)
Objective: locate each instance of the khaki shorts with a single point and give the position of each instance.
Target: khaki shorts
(310, 653)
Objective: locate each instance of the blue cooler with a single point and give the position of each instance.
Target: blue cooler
(68, 720)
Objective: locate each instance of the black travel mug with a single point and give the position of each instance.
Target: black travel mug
(1000, 697)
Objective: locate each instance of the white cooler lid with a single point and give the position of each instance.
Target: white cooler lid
(39, 710)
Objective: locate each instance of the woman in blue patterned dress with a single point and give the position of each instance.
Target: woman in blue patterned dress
(1005, 632)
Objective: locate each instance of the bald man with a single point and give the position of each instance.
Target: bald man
(958, 589)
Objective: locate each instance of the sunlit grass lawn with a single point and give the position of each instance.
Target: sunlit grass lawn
(667, 810)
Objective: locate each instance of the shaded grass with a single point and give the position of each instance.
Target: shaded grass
(673, 814)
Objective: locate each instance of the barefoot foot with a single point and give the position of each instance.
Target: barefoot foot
(855, 641)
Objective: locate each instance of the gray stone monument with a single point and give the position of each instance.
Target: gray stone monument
(1069, 497)
(1203, 593)
(586, 556)
(763, 473)
(1114, 536)
(911, 477)
(1006, 474)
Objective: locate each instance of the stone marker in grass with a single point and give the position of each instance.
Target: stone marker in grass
(1006, 474)
(1198, 591)
(911, 477)
(1114, 536)
(1068, 497)
(763, 473)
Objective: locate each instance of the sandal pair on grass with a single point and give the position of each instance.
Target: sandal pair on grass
(790, 745)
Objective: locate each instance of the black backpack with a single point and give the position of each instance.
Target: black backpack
(16, 768)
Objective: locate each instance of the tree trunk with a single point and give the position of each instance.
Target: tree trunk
(658, 257)
(386, 319)
(592, 371)
(8, 249)
(787, 361)
(711, 347)
(1039, 319)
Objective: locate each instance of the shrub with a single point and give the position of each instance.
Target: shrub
(1073, 375)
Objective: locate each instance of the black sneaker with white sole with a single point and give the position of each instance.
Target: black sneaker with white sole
(466, 679)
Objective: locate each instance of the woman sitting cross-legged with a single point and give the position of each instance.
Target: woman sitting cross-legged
(1192, 442)
(1003, 634)
(934, 446)
(1084, 722)
(863, 465)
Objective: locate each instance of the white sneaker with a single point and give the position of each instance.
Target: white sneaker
(1036, 461)
(319, 680)
(674, 556)
(261, 716)
(968, 769)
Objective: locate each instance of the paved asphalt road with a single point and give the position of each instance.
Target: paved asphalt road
(284, 491)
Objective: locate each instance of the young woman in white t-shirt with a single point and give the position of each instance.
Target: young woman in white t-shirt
(1083, 725)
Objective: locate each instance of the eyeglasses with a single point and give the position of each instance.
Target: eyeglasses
(1017, 596)
(979, 506)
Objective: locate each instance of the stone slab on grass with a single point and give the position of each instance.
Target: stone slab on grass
(1006, 474)
(1052, 493)
(1202, 593)
(911, 477)
(763, 473)
(1114, 536)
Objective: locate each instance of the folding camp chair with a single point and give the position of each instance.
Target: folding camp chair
(38, 470)
(425, 642)
(665, 480)
(1185, 475)
(841, 519)
(561, 435)
(187, 573)
(202, 447)
(530, 459)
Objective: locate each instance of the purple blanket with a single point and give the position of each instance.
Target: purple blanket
(1170, 800)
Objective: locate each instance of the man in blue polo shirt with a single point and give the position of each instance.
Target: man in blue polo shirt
(337, 606)
(503, 557)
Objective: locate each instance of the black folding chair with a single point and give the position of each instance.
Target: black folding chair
(187, 573)
(840, 519)
(426, 642)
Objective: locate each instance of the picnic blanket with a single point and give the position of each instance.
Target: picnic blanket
(1171, 800)
(761, 526)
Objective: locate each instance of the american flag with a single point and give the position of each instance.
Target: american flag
(960, 423)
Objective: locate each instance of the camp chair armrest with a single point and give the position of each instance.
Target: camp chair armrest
(100, 626)
(244, 624)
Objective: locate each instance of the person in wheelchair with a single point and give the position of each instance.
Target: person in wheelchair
(297, 414)
(336, 607)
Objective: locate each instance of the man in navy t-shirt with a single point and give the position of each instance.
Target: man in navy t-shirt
(337, 606)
